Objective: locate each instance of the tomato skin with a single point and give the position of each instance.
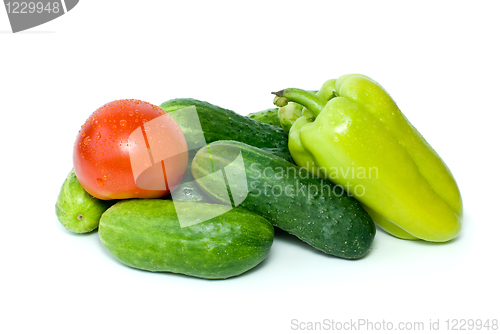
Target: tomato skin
(101, 155)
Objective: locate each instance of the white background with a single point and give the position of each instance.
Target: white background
(439, 60)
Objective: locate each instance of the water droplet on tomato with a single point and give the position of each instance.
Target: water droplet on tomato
(100, 182)
(102, 154)
(93, 151)
(131, 114)
(105, 120)
(83, 134)
(123, 123)
(97, 136)
(86, 141)
(144, 121)
(105, 177)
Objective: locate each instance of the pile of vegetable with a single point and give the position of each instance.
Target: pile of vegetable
(189, 187)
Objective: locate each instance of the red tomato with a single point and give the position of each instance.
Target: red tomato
(130, 149)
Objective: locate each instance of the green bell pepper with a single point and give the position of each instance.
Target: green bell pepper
(361, 141)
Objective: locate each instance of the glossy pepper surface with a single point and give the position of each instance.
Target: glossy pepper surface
(361, 141)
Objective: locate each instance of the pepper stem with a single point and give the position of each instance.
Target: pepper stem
(300, 96)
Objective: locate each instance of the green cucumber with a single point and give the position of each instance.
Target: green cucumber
(222, 124)
(281, 152)
(189, 191)
(146, 234)
(268, 116)
(76, 209)
(316, 211)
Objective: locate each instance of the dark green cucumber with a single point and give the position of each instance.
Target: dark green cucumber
(268, 116)
(222, 124)
(314, 210)
(189, 191)
(281, 152)
(146, 234)
(76, 209)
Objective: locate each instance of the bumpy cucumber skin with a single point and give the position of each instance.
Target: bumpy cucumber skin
(76, 209)
(145, 234)
(281, 152)
(222, 124)
(268, 116)
(336, 225)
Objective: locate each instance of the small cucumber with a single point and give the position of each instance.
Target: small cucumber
(76, 209)
(268, 116)
(146, 234)
(316, 211)
(222, 124)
